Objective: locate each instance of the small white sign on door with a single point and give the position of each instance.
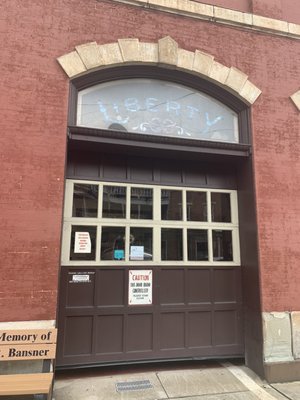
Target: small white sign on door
(81, 278)
(136, 252)
(140, 287)
(82, 242)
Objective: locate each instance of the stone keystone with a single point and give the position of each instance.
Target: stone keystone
(167, 51)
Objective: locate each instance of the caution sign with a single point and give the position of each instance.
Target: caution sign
(140, 287)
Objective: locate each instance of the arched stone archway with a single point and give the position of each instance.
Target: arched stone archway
(166, 52)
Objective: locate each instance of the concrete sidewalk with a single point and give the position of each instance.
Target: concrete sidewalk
(192, 381)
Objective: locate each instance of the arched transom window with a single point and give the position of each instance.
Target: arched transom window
(156, 107)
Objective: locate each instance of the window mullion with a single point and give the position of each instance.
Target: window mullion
(128, 202)
(185, 245)
(210, 246)
(184, 211)
(156, 243)
(127, 242)
(234, 208)
(100, 200)
(98, 241)
(208, 200)
(156, 224)
(236, 246)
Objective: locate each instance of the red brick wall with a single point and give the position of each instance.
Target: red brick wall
(288, 10)
(34, 99)
(238, 5)
(279, 9)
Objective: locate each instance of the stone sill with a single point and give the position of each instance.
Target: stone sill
(220, 15)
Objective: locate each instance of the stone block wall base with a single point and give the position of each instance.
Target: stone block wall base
(282, 372)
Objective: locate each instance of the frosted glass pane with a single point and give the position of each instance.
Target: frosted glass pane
(155, 107)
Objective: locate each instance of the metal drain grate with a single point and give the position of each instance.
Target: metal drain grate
(135, 385)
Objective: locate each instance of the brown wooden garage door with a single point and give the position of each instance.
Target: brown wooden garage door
(182, 219)
(196, 312)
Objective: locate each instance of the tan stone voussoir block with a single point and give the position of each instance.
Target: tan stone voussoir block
(250, 92)
(269, 24)
(72, 64)
(295, 318)
(167, 51)
(185, 59)
(130, 49)
(226, 15)
(149, 52)
(236, 79)
(111, 53)
(296, 99)
(219, 72)
(90, 55)
(202, 63)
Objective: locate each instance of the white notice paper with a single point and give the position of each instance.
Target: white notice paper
(82, 242)
(136, 252)
(81, 278)
(140, 287)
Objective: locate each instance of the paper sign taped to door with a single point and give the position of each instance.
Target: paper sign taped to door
(136, 252)
(140, 287)
(81, 278)
(82, 242)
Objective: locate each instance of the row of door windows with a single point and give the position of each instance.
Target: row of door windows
(114, 199)
(119, 223)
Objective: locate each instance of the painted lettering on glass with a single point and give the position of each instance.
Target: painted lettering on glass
(120, 113)
(155, 107)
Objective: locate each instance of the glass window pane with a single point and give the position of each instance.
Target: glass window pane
(114, 202)
(83, 243)
(171, 244)
(220, 207)
(222, 245)
(196, 207)
(113, 243)
(141, 203)
(85, 200)
(140, 244)
(171, 205)
(197, 245)
(156, 107)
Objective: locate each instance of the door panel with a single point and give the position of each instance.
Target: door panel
(196, 312)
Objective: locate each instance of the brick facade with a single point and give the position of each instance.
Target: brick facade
(34, 104)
